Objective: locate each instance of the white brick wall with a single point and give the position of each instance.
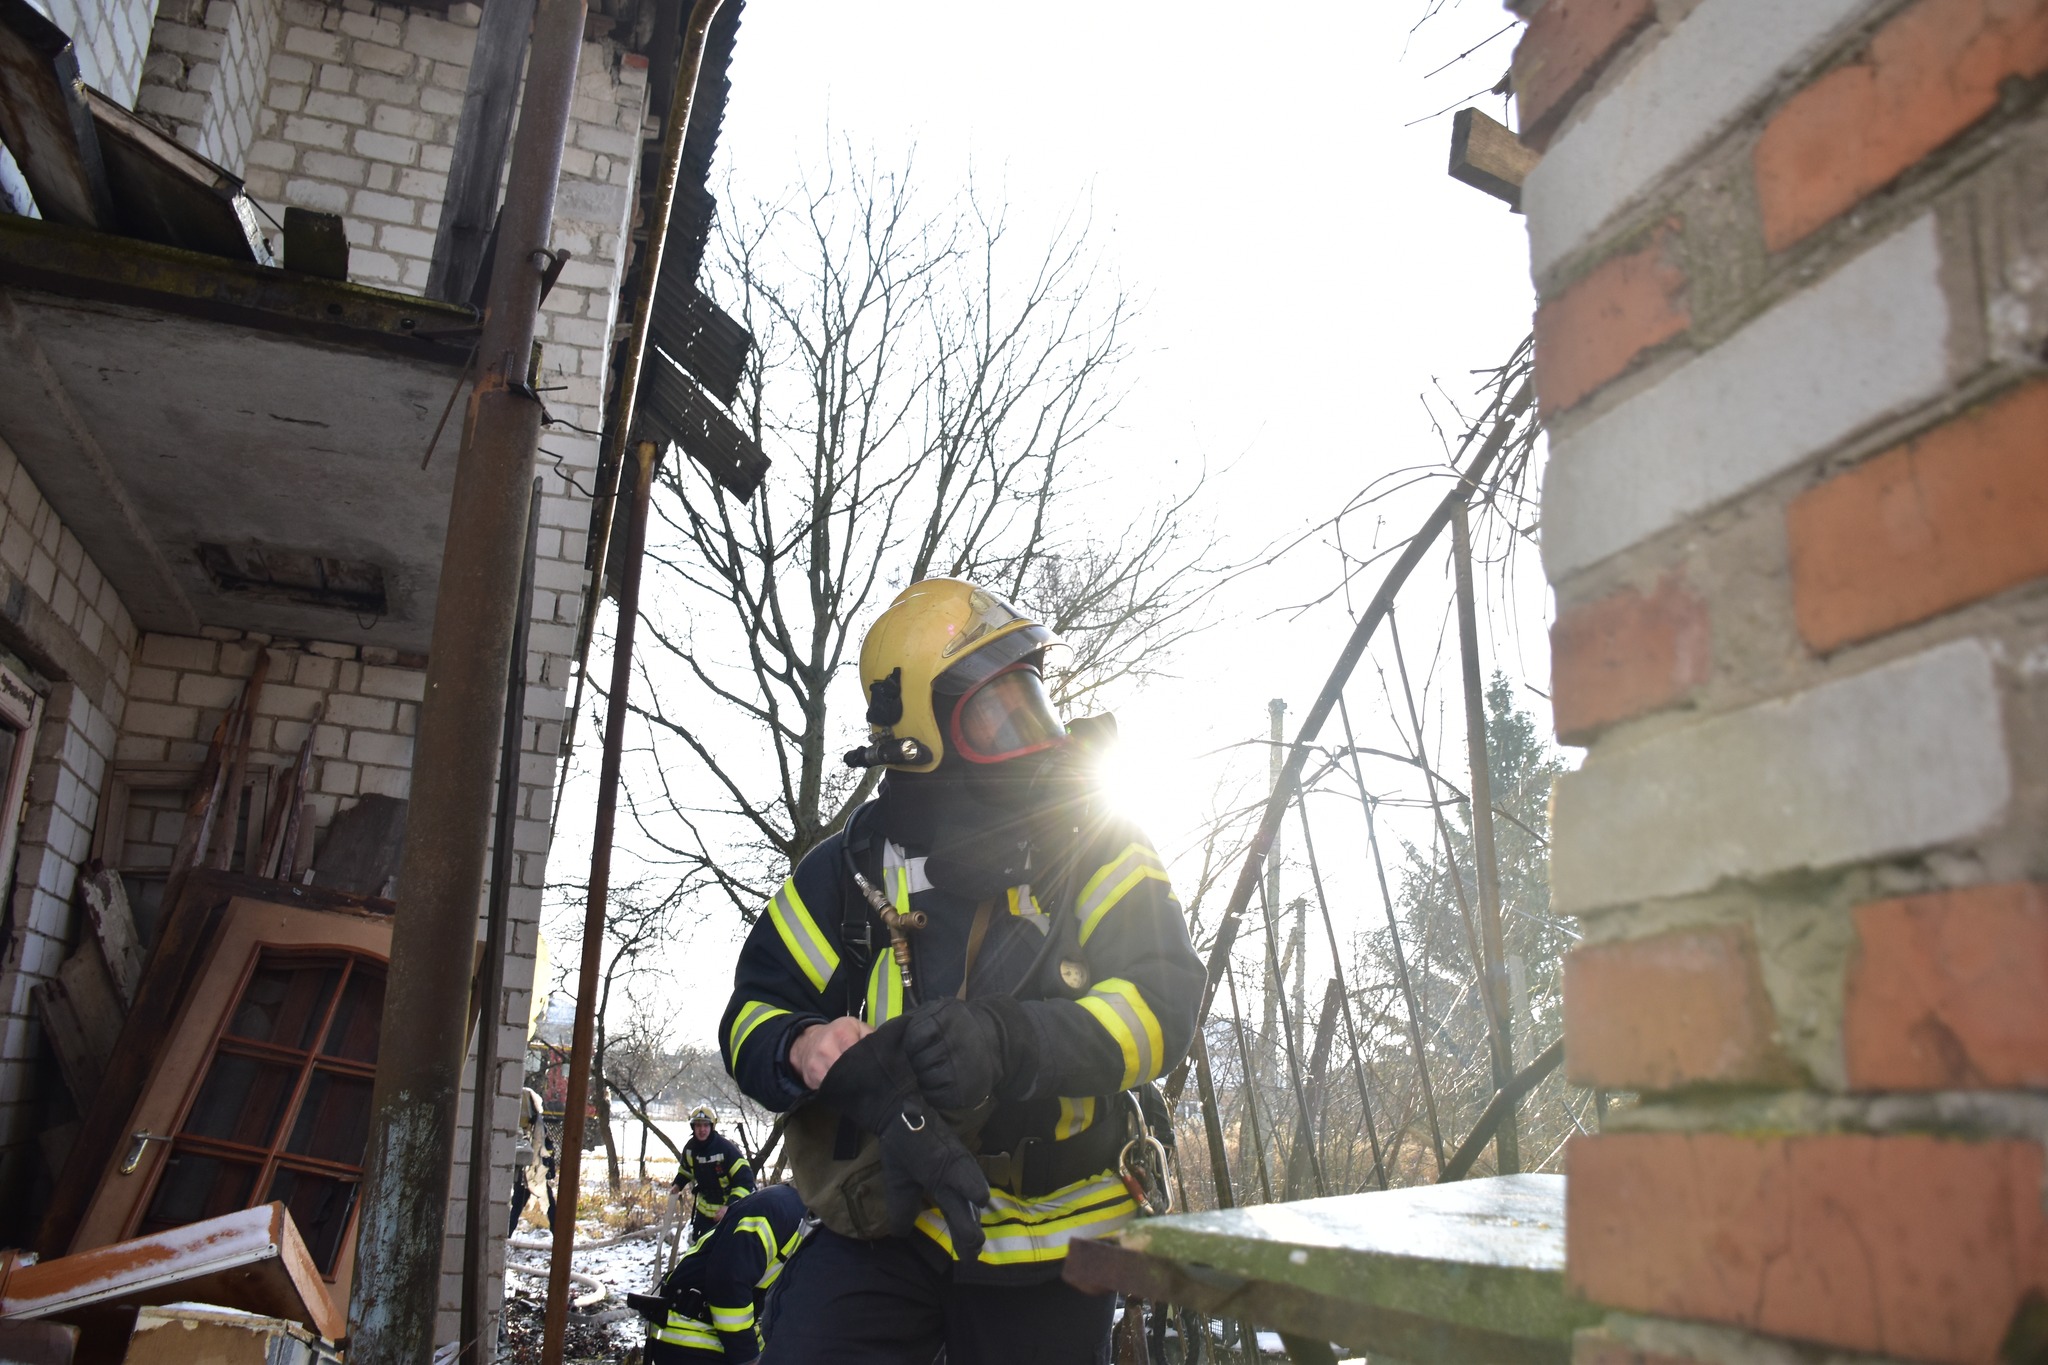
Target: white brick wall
(72, 750)
(352, 109)
(111, 38)
(1900, 758)
(1869, 340)
(208, 64)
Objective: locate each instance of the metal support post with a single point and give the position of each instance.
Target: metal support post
(476, 1239)
(569, 1169)
(419, 1074)
(1507, 1148)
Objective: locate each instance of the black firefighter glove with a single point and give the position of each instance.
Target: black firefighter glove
(964, 1052)
(922, 1158)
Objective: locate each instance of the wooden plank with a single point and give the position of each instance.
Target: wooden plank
(82, 1016)
(165, 192)
(482, 137)
(113, 926)
(253, 1259)
(45, 122)
(1486, 155)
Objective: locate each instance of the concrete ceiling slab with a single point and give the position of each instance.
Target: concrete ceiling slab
(163, 401)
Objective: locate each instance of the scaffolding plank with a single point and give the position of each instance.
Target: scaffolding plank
(1466, 1272)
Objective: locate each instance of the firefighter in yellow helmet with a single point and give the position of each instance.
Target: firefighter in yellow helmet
(951, 997)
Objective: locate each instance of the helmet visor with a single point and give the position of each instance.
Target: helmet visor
(1006, 717)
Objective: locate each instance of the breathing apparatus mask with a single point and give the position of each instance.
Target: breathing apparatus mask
(1014, 783)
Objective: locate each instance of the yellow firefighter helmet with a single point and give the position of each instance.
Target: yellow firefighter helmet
(950, 663)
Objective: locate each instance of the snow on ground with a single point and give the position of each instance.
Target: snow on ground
(623, 1267)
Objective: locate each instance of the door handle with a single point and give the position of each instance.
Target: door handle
(139, 1144)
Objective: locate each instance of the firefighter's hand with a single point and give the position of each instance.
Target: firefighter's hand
(965, 1052)
(820, 1045)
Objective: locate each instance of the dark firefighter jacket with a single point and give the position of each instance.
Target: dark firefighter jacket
(719, 1170)
(1126, 1021)
(716, 1289)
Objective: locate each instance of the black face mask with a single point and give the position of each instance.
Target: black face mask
(970, 822)
(984, 827)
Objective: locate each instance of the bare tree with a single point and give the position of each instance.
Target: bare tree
(929, 387)
(639, 923)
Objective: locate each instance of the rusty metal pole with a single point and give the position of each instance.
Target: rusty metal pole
(569, 1171)
(476, 1238)
(419, 1075)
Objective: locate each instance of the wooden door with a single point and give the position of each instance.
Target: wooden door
(262, 1089)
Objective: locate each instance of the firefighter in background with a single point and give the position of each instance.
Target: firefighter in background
(533, 1160)
(710, 1303)
(715, 1165)
(952, 995)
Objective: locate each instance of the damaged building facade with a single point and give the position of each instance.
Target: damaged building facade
(228, 479)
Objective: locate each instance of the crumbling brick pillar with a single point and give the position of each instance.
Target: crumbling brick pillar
(1792, 350)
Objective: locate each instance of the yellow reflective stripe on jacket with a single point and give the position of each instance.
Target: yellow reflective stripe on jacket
(898, 879)
(1016, 908)
(732, 1319)
(885, 991)
(801, 935)
(1121, 1010)
(1021, 1231)
(764, 1231)
(782, 1253)
(1113, 882)
(752, 1015)
(682, 1331)
(1075, 1116)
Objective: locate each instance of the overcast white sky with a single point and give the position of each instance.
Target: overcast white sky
(1308, 272)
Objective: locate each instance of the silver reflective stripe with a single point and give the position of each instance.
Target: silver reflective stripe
(802, 937)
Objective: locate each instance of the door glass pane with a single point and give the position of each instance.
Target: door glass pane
(284, 1002)
(242, 1100)
(356, 1019)
(196, 1186)
(334, 1120)
(320, 1205)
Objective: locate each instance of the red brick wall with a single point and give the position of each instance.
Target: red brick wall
(1792, 353)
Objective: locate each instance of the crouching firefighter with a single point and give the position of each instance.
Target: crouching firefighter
(710, 1303)
(715, 1167)
(950, 998)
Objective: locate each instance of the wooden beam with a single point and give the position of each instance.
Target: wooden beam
(1487, 156)
(481, 140)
